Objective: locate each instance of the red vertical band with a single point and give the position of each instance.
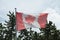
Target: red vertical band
(42, 19)
(19, 21)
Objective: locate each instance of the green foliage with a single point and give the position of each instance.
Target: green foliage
(9, 31)
(1, 31)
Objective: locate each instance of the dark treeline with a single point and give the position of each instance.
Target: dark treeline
(8, 32)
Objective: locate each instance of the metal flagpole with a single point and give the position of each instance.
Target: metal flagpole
(15, 25)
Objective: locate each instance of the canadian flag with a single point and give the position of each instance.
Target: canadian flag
(24, 21)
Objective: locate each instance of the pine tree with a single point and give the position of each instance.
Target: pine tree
(50, 32)
(10, 24)
(1, 31)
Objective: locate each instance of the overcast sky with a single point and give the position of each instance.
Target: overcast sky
(33, 7)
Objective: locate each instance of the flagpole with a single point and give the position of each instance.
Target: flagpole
(15, 26)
